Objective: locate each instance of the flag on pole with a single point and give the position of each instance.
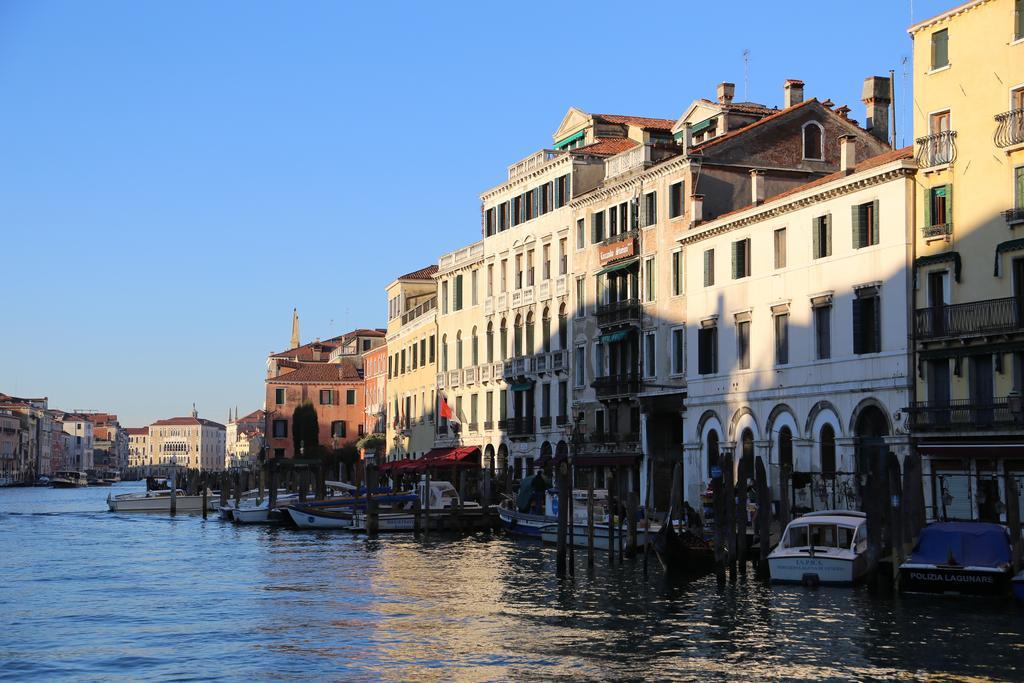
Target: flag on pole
(445, 409)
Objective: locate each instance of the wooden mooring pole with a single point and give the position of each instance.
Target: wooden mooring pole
(563, 516)
(590, 519)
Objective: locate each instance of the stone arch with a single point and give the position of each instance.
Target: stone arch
(502, 462)
(488, 462)
(781, 416)
(562, 450)
(816, 410)
(870, 401)
(744, 416)
(702, 422)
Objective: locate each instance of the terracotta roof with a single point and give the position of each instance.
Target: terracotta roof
(421, 274)
(749, 108)
(193, 421)
(136, 431)
(746, 129)
(254, 416)
(872, 162)
(365, 332)
(640, 121)
(305, 351)
(319, 373)
(607, 146)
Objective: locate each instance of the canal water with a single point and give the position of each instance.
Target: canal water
(88, 595)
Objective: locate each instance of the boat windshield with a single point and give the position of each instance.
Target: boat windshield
(819, 536)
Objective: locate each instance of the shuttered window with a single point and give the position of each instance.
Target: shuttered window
(743, 344)
(782, 339)
(940, 48)
(823, 331)
(821, 238)
(780, 248)
(678, 351)
(741, 259)
(867, 322)
(675, 200)
(709, 268)
(864, 220)
(650, 208)
(707, 350)
(677, 273)
(597, 225)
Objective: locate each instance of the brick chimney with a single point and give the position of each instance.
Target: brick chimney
(793, 93)
(726, 92)
(877, 99)
(756, 187)
(696, 208)
(687, 137)
(847, 153)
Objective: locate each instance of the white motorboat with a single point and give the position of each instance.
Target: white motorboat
(602, 534)
(255, 509)
(520, 516)
(397, 513)
(826, 548)
(69, 480)
(325, 518)
(159, 501)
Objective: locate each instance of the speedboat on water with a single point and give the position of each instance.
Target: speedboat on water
(971, 558)
(69, 480)
(159, 501)
(827, 547)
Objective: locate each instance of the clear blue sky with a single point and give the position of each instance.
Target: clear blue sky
(176, 176)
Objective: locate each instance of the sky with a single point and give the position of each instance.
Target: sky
(175, 177)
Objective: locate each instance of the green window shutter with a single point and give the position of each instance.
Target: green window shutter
(735, 260)
(949, 204)
(828, 234)
(857, 223)
(877, 310)
(816, 238)
(927, 206)
(858, 333)
(874, 222)
(1018, 193)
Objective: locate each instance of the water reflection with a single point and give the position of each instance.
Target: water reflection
(87, 594)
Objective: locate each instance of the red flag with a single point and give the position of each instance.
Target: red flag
(446, 410)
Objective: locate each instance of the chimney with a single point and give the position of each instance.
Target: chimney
(877, 99)
(793, 93)
(847, 153)
(687, 138)
(696, 208)
(725, 92)
(756, 187)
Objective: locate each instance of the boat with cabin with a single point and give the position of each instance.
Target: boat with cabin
(159, 501)
(535, 506)
(69, 479)
(969, 558)
(827, 548)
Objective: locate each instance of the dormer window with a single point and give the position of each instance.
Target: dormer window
(814, 141)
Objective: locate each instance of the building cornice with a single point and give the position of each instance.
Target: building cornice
(528, 177)
(754, 215)
(607, 191)
(949, 14)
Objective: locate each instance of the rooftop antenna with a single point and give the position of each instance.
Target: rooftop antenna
(746, 75)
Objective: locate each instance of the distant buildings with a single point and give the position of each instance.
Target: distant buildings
(191, 442)
(139, 454)
(245, 437)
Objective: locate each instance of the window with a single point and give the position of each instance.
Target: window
(444, 296)
(649, 280)
(490, 279)
(743, 344)
(545, 330)
(781, 338)
(741, 259)
(563, 256)
(940, 49)
(580, 296)
(503, 340)
(444, 353)
(1018, 19)
(865, 224)
(457, 294)
(473, 287)
(780, 248)
(1018, 184)
(490, 342)
(280, 429)
(677, 273)
(823, 331)
(707, 350)
(675, 200)
(519, 271)
(613, 221)
(326, 396)
(489, 222)
(867, 321)
(650, 359)
(350, 397)
(473, 414)
(545, 400)
(529, 268)
(489, 407)
(821, 239)
(678, 350)
(503, 216)
(827, 443)
(938, 210)
(402, 356)
(581, 234)
(563, 399)
(338, 430)
(650, 208)
(431, 348)
(545, 268)
(279, 396)
(814, 141)
(563, 329)
(597, 227)
(458, 350)
(579, 366)
(423, 352)
(709, 268)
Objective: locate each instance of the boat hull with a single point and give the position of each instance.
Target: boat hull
(549, 534)
(158, 504)
(523, 524)
(821, 569)
(920, 578)
(319, 519)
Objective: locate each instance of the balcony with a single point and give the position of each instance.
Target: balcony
(1009, 128)
(518, 426)
(601, 443)
(992, 316)
(540, 363)
(425, 307)
(621, 237)
(455, 378)
(938, 231)
(497, 371)
(440, 379)
(615, 386)
(561, 286)
(937, 149)
(562, 420)
(488, 425)
(469, 375)
(534, 161)
(544, 290)
(966, 415)
(545, 422)
(442, 430)
(472, 426)
(484, 373)
(619, 313)
(559, 361)
(1014, 216)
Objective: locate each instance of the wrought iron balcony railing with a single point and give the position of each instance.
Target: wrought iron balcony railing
(618, 385)
(611, 444)
(937, 231)
(1014, 216)
(620, 237)
(562, 420)
(559, 360)
(545, 422)
(969, 319)
(1009, 128)
(619, 312)
(965, 414)
(519, 426)
(936, 149)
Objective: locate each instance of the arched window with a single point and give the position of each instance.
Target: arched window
(827, 444)
(517, 340)
(747, 444)
(786, 449)
(474, 349)
(563, 328)
(444, 353)
(490, 342)
(814, 141)
(712, 453)
(530, 348)
(458, 350)
(503, 340)
(545, 330)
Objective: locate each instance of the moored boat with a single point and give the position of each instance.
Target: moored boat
(827, 547)
(536, 506)
(158, 501)
(69, 479)
(684, 554)
(604, 534)
(970, 558)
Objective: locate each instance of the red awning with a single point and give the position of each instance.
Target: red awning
(463, 456)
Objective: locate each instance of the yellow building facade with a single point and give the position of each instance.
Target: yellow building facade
(968, 322)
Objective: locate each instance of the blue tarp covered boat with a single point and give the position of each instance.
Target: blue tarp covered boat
(959, 557)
